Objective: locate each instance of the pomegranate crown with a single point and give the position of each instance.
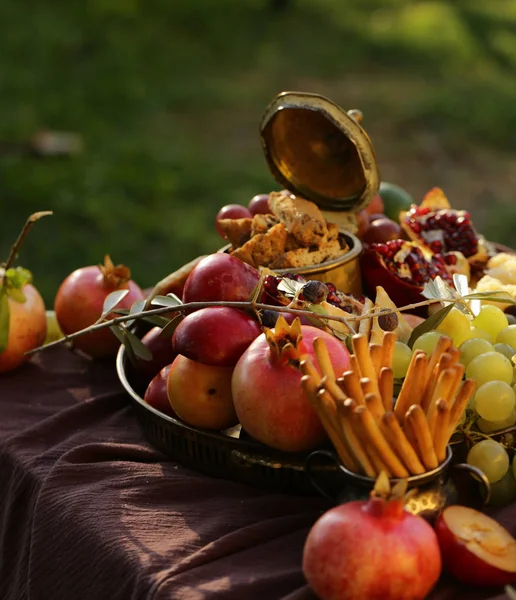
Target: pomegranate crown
(284, 339)
(114, 276)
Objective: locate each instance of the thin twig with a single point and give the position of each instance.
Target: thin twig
(19, 241)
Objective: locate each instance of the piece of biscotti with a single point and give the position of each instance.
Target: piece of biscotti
(262, 223)
(263, 248)
(304, 257)
(302, 218)
(237, 231)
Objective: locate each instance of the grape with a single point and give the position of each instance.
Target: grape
(427, 342)
(505, 349)
(503, 492)
(511, 319)
(507, 336)
(495, 400)
(473, 347)
(491, 458)
(490, 366)
(401, 359)
(456, 325)
(476, 332)
(491, 319)
(490, 426)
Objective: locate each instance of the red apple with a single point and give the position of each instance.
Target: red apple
(156, 393)
(475, 548)
(218, 277)
(259, 205)
(162, 353)
(231, 211)
(381, 231)
(216, 335)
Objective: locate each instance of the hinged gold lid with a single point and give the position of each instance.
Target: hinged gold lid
(319, 151)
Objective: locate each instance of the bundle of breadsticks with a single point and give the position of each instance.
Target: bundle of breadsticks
(370, 429)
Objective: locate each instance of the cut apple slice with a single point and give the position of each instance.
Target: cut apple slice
(475, 548)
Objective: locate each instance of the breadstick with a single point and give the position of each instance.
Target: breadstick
(459, 374)
(345, 411)
(376, 438)
(442, 424)
(370, 450)
(323, 358)
(442, 390)
(361, 349)
(328, 406)
(328, 417)
(454, 353)
(367, 386)
(333, 389)
(400, 444)
(307, 367)
(408, 430)
(376, 351)
(386, 385)
(375, 405)
(445, 362)
(389, 342)
(443, 343)
(415, 372)
(419, 424)
(352, 386)
(354, 365)
(459, 405)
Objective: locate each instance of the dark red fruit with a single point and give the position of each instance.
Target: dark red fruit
(402, 269)
(376, 205)
(363, 222)
(259, 205)
(220, 277)
(376, 216)
(231, 211)
(216, 335)
(382, 230)
(162, 353)
(156, 393)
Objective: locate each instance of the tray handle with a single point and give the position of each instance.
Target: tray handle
(313, 476)
(479, 476)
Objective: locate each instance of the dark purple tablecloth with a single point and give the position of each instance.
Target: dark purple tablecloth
(89, 510)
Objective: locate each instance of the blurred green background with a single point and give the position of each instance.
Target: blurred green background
(168, 96)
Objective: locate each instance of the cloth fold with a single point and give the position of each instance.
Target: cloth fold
(90, 510)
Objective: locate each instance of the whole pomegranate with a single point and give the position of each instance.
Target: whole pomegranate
(80, 299)
(372, 550)
(266, 386)
(23, 322)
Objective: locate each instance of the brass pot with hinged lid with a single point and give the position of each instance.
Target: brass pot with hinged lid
(320, 152)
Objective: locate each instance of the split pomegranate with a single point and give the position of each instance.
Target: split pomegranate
(475, 548)
(80, 299)
(372, 550)
(443, 229)
(402, 268)
(266, 386)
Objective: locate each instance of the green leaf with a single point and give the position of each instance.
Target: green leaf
(511, 592)
(170, 327)
(137, 307)
(112, 300)
(120, 334)
(18, 277)
(170, 300)
(157, 320)
(139, 348)
(4, 320)
(500, 296)
(256, 294)
(428, 324)
(438, 289)
(16, 294)
(290, 287)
